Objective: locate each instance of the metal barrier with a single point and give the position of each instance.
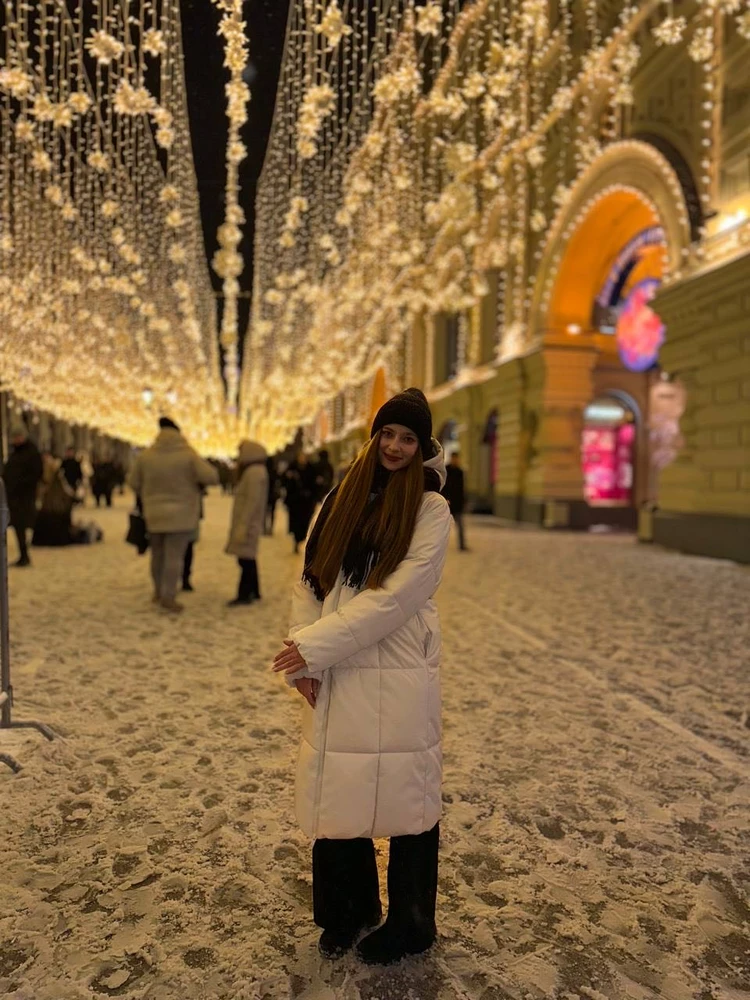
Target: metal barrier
(6, 688)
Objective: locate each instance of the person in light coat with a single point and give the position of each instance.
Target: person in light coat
(248, 519)
(168, 478)
(364, 651)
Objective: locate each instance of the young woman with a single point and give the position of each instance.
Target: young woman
(364, 651)
(248, 515)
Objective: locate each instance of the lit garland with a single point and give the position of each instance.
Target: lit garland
(416, 145)
(106, 312)
(228, 262)
(407, 160)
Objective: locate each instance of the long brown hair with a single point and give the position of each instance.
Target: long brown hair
(387, 529)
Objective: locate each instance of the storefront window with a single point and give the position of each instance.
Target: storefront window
(607, 454)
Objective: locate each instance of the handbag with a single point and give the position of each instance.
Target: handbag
(137, 533)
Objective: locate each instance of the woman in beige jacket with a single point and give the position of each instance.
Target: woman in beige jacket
(248, 516)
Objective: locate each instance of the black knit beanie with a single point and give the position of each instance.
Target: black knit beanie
(410, 409)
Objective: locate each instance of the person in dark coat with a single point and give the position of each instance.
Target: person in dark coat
(21, 475)
(71, 470)
(274, 495)
(301, 497)
(103, 481)
(324, 474)
(454, 492)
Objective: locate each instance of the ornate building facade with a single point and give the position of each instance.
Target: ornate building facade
(605, 379)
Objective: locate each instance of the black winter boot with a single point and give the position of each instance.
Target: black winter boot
(334, 944)
(412, 890)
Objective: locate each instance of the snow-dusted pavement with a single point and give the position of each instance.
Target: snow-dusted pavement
(596, 837)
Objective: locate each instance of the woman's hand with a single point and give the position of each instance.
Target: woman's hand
(308, 687)
(289, 660)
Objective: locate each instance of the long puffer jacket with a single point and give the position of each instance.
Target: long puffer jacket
(370, 762)
(250, 501)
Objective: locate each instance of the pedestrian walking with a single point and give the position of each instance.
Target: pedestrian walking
(274, 495)
(103, 481)
(248, 516)
(22, 475)
(454, 492)
(301, 497)
(364, 651)
(168, 478)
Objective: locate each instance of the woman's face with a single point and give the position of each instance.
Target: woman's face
(398, 446)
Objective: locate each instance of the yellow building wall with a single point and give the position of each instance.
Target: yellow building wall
(708, 346)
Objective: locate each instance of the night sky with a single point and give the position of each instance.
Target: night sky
(206, 78)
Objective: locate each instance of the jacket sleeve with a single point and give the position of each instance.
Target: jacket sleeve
(205, 473)
(374, 614)
(306, 609)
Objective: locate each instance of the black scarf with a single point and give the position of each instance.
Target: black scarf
(360, 557)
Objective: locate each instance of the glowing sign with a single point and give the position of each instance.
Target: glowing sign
(640, 332)
(627, 258)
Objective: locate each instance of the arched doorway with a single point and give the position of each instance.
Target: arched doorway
(618, 247)
(629, 193)
(623, 232)
(608, 451)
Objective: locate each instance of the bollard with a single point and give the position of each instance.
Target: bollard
(6, 688)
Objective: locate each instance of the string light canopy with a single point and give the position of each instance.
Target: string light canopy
(419, 144)
(228, 262)
(107, 316)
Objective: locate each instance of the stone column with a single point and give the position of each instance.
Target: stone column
(560, 385)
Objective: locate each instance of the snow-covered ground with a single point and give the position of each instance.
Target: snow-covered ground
(596, 840)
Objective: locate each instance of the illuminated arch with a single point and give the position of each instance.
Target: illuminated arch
(629, 188)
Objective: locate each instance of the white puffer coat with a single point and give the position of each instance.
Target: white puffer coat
(370, 763)
(250, 501)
